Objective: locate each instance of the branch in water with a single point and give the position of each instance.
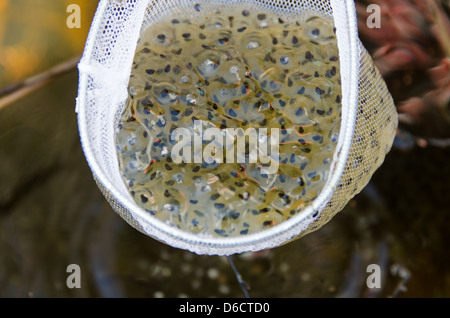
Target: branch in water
(14, 92)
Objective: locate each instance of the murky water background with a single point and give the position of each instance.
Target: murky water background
(52, 215)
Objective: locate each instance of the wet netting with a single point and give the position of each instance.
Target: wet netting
(154, 68)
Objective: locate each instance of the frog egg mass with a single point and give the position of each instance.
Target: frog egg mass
(232, 118)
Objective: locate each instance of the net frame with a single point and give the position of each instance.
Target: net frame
(104, 73)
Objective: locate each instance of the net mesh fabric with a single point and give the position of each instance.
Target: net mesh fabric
(375, 126)
(368, 126)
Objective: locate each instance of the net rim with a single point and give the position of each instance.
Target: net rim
(264, 239)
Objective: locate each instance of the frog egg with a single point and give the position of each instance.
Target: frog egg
(334, 137)
(178, 178)
(330, 52)
(169, 207)
(285, 60)
(263, 25)
(223, 38)
(162, 37)
(198, 181)
(266, 181)
(241, 26)
(185, 79)
(271, 81)
(132, 91)
(216, 22)
(255, 40)
(132, 166)
(318, 30)
(187, 34)
(191, 100)
(136, 87)
(208, 66)
(223, 94)
(233, 75)
(253, 44)
(132, 138)
(165, 94)
(247, 108)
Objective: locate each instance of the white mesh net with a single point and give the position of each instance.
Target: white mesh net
(368, 124)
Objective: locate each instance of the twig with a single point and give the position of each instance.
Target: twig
(404, 274)
(14, 92)
(441, 22)
(241, 282)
